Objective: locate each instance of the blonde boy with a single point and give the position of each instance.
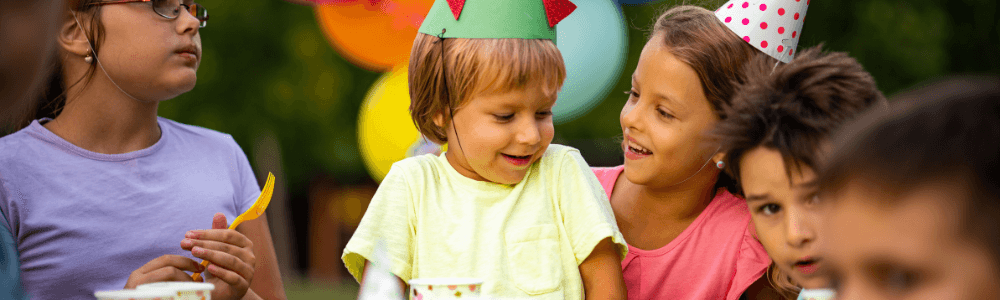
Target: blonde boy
(502, 204)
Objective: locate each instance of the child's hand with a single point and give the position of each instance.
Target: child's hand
(163, 268)
(230, 254)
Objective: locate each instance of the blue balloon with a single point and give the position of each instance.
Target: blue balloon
(594, 43)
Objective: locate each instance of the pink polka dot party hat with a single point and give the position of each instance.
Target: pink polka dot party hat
(772, 26)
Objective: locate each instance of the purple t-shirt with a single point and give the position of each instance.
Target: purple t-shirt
(83, 221)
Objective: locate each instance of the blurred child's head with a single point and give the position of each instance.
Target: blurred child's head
(686, 75)
(778, 126)
(915, 197)
(494, 108)
(27, 45)
(151, 50)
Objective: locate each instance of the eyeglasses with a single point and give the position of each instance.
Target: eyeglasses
(170, 9)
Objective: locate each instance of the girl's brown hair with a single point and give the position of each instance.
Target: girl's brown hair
(474, 66)
(53, 98)
(696, 37)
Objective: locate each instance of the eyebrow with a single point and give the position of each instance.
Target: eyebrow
(754, 198)
(661, 96)
(809, 184)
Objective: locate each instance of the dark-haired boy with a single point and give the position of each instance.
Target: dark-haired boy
(779, 124)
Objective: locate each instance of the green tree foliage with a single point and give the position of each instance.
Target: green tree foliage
(267, 67)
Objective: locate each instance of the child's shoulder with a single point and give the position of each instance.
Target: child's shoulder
(25, 142)
(201, 135)
(558, 155)
(420, 164)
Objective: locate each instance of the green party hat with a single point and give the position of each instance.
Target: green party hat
(497, 19)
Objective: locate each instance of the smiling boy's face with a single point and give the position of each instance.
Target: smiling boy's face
(497, 136)
(908, 246)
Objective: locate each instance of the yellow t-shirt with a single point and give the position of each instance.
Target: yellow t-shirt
(525, 240)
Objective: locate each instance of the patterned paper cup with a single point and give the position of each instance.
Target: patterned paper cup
(183, 290)
(817, 294)
(134, 295)
(444, 288)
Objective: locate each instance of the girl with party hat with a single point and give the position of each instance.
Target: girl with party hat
(502, 204)
(688, 236)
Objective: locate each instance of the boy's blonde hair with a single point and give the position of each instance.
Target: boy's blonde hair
(475, 66)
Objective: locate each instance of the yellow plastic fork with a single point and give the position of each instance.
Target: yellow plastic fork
(255, 211)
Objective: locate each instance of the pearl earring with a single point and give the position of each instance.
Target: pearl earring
(89, 58)
(721, 165)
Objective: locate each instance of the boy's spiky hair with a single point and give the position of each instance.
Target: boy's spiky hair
(795, 108)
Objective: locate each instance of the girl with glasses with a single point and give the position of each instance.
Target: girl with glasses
(100, 193)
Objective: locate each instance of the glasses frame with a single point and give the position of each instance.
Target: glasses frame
(202, 21)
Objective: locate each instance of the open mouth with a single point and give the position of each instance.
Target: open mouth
(634, 151)
(807, 266)
(518, 160)
(638, 149)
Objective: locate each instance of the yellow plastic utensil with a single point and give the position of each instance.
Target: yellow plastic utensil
(255, 211)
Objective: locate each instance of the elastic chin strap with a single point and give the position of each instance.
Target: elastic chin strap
(98, 60)
(444, 90)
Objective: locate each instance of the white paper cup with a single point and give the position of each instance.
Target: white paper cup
(135, 295)
(817, 294)
(445, 288)
(183, 290)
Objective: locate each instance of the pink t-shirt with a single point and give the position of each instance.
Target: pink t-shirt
(716, 257)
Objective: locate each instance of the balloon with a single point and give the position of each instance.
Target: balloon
(375, 35)
(594, 42)
(386, 133)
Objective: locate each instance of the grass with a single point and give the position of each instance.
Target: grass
(304, 289)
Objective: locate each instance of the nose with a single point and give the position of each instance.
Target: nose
(528, 133)
(629, 117)
(799, 229)
(187, 23)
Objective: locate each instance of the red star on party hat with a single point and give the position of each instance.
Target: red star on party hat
(771, 26)
(471, 19)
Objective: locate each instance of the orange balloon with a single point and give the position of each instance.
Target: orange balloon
(374, 34)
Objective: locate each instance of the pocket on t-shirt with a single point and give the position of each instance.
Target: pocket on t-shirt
(533, 258)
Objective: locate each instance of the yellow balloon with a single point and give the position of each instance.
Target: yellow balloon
(386, 133)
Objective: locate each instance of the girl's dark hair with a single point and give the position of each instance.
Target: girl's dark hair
(696, 37)
(945, 132)
(53, 97)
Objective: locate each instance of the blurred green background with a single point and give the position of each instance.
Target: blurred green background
(269, 77)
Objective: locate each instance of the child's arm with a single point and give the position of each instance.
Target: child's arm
(590, 225)
(402, 285)
(385, 234)
(601, 273)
